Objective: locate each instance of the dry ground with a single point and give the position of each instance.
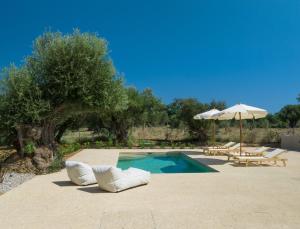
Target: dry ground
(235, 197)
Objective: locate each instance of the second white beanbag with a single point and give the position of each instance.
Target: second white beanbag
(115, 180)
(80, 173)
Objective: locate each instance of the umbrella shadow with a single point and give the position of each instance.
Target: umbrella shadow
(252, 165)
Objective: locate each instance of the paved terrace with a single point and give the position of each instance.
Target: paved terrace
(235, 197)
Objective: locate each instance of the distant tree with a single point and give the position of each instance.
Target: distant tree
(220, 105)
(144, 109)
(182, 111)
(290, 114)
(65, 75)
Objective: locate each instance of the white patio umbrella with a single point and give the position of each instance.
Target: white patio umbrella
(240, 112)
(209, 115)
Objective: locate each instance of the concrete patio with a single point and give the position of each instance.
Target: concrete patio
(235, 197)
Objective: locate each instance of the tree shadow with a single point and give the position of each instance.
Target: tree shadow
(64, 183)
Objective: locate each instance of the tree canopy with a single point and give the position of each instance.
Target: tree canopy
(65, 75)
(290, 114)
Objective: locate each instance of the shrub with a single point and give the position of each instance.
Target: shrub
(57, 164)
(67, 149)
(29, 148)
(99, 144)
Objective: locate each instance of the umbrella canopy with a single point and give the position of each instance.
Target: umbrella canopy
(240, 112)
(209, 115)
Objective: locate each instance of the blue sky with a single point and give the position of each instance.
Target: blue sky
(238, 51)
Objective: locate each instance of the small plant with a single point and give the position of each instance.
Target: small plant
(86, 145)
(99, 144)
(192, 146)
(129, 144)
(163, 145)
(182, 145)
(29, 148)
(57, 164)
(173, 145)
(67, 149)
(110, 142)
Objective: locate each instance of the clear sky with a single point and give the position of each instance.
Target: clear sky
(235, 50)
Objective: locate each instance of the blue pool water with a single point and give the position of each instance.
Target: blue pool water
(162, 163)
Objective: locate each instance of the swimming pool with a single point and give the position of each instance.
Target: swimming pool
(162, 163)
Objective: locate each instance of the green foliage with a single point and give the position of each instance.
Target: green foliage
(20, 101)
(290, 114)
(65, 76)
(182, 111)
(29, 148)
(57, 164)
(143, 109)
(66, 149)
(99, 144)
(75, 69)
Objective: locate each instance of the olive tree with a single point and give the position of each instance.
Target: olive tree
(290, 114)
(65, 75)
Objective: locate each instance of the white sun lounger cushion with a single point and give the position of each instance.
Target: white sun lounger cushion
(115, 180)
(80, 173)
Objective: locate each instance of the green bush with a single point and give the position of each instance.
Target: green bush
(29, 148)
(67, 149)
(99, 144)
(56, 165)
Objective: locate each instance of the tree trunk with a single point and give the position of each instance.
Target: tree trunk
(122, 135)
(48, 134)
(61, 130)
(20, 144)
(119, 129)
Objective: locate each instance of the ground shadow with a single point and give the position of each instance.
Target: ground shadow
(198, 152)
(253, 165)
(93, 189)
(64, 183)
(96, 189)
(211, 161)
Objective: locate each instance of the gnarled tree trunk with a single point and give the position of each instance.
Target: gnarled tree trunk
(48, 134)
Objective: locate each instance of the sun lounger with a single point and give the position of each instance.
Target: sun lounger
(272, 156)
(256, 152)
(115, 180)
(225, 146)
(215, 151)
(80, 173)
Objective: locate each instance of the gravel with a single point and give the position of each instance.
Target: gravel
(12, 180)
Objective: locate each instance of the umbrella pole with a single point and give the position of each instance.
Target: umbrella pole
(214, 132)
(241, 133)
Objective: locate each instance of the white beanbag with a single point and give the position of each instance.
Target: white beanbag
(115, 180)
(80, 173)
